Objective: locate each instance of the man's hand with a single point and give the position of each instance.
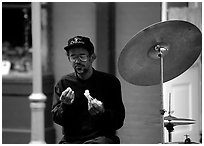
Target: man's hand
(95, 107)
(67, 96)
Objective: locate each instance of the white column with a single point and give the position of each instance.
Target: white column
(37, 98)
(164, 11)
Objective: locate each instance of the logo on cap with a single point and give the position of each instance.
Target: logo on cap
(76, 40)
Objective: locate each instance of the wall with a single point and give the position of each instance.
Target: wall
(16, 113)
(68, 20)
(142, 103)
(142, 124)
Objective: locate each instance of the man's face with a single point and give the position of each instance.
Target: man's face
(81, 60)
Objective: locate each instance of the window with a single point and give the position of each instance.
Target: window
(16, 35)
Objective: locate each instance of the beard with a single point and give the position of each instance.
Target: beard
(80, 69)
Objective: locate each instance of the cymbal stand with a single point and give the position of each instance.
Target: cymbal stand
(170, 126)
(161, 51)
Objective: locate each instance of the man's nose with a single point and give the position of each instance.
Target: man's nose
(77, 60)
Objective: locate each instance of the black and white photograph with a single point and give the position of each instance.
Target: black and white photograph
(101, 72)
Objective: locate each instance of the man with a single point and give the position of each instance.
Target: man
(87, 103)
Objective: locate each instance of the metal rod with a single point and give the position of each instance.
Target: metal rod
(162, 108)
(169, 114)
(169, 103)
(170, 137)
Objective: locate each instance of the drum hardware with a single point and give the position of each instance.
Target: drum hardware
(160, 53)
(187, 140)
(171, 118)
(170, 127)
(172, 121)
(181, 142)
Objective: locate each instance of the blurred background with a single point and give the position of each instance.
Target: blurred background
(110, 26)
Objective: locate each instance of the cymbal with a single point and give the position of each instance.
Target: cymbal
(176, 123)
(139, 63)
(170, 118)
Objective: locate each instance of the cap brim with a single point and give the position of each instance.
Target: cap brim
(74, 46)
(66, 48)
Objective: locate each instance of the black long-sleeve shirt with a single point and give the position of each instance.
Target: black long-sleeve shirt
(75, 119)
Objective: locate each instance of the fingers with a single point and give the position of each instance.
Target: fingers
(72, 96)
(66, 92)
(100, 107)
(93, 111)
(95, 108)
(67, 96)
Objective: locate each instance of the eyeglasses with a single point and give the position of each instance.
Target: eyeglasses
(82, 58)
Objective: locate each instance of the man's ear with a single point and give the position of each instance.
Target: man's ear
(93, 57)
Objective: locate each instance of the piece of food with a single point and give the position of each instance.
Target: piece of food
(91, 100)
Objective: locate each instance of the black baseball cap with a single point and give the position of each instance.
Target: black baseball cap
(80, 41)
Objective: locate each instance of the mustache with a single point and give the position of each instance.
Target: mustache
(78, 65)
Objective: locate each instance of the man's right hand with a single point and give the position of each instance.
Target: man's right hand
(67, 96)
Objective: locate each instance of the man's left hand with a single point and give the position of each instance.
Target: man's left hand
(96, 108)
